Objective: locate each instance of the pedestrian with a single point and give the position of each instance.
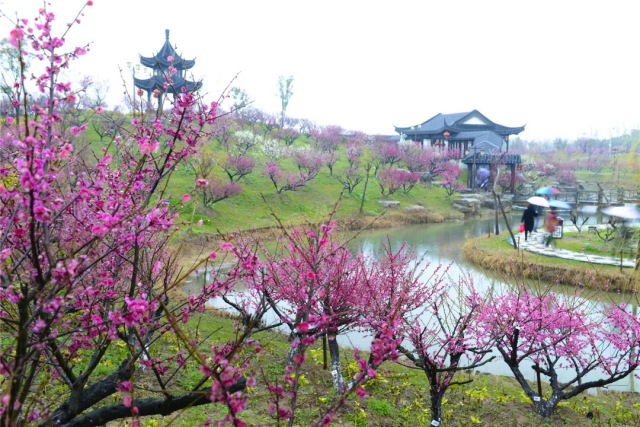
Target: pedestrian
(551, 223)
(529, 220)
(539, 216)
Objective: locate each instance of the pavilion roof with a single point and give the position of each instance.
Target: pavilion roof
(159, 60)
(458, 122)
(487, 159)
(487, 141)
(158, 82)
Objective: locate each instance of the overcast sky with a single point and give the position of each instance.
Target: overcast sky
(562, 68)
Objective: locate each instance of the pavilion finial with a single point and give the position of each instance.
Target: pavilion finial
(166, 33)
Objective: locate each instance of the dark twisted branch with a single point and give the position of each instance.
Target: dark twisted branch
(150, 406)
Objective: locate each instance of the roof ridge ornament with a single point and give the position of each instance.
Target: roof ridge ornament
(166, 33)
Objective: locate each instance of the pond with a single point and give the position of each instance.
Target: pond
(439, 244)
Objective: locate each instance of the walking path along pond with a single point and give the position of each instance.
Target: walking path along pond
(534, 244)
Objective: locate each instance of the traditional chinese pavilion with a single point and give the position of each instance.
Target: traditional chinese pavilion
(464, 131)
(482, 143)
(159, 64)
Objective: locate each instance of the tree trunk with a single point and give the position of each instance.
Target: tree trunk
(364, 192)
(545, 408)
(292, 350)
(336, 369)
(495, 202)
(506, 220)
(436, 405)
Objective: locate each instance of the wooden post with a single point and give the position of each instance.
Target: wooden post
(473, 170)
(602, 195)
(324, 351)
(513, 176)
(537, 368)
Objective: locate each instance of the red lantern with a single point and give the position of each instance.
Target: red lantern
(446, 135)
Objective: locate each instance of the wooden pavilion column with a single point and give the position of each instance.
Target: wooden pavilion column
(513, 178)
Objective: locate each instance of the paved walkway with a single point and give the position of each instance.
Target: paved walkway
(532, 245)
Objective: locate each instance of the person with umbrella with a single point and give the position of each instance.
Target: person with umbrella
(529, 219)
(539, 203)
(551, 222)
(482, 179)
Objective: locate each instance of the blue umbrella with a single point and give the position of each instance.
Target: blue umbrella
(559, 204)
(483, 173)
(547, 190)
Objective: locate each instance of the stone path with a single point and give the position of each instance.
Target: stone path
(532, 245)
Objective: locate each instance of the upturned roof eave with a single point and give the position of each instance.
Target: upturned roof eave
(160, 62)
(502, 130)
(155, 82)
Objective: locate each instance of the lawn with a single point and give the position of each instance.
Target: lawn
(252, 208)
(593, 244)
(398, 396)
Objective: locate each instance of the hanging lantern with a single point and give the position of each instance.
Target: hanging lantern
(446, 134)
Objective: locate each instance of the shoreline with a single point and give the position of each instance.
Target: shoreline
(196, 245)
(519, 264)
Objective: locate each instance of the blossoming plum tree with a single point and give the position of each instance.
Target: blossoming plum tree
(391, 180)
(444, 339)
(555, 332)
(85, 263)
(449, 174)
(308, 162)
(313, 285)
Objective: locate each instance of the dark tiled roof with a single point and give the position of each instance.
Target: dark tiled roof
(160, 58)
(435, 123)
(488, 141)
(453, 123)
(499, 129)
(157, 82)
(466, 135)
(486, 159)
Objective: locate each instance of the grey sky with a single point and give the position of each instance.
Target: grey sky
(564, 68)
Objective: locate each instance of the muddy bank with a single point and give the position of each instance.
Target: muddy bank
(518, 264)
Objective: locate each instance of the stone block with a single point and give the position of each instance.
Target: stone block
(389, 203)
(462, 208)
(414, 208)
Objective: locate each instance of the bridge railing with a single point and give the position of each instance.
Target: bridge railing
(576, 195)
